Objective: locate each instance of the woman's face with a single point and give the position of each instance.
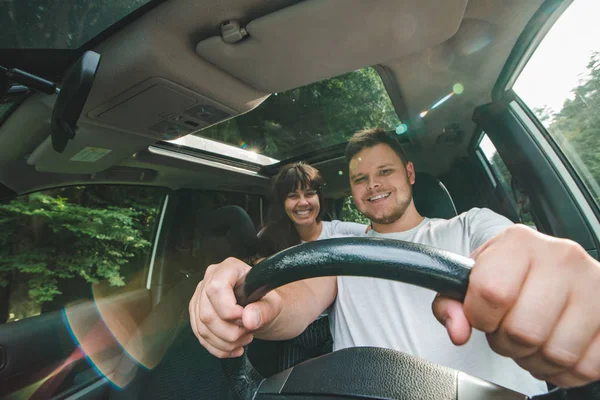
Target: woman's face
(302, 206)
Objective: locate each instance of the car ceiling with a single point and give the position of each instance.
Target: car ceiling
(173, 56)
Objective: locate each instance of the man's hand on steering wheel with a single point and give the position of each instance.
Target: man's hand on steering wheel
(221, 325)
(536, 298)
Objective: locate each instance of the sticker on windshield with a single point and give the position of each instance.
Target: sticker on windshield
(90, 154)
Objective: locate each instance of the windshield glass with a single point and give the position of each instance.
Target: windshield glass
(40, 24)
(312, 117)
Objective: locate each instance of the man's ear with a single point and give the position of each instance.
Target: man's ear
(410, 172)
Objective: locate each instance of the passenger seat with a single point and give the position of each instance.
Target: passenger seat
(183, 369)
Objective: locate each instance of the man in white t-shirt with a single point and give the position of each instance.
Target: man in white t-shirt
(518, 272)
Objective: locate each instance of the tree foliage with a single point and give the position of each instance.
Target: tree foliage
(351, 213)
(576, 127)
(311, 117)
(95, 233)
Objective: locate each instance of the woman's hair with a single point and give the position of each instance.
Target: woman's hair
(278, 232)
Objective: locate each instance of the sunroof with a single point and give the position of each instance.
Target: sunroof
(42, 24)
(312, 117)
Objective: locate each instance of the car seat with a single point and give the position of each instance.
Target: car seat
(175, 364)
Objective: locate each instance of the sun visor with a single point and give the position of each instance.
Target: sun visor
(315, 39)
(92, 150)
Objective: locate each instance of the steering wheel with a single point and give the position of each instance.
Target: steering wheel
(360, 372)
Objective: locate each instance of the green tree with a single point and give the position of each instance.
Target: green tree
(351, 213)
(311, 117)
(94, 233)
(576, 127)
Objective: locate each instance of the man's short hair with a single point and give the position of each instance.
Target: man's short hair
(372, 137)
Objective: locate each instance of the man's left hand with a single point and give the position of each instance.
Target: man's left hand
(538, 300)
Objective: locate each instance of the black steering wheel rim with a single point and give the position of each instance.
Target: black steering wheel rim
(412, 263)
(425, 266)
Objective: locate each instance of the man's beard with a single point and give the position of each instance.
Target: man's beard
(395, 214)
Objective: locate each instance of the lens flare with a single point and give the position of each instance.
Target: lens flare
(96, 340)
(423, 114)
(458, 88)
(117, 336)
(243, 144)
(442, 101)
(340, 173)
(402, 128)
(51, 378)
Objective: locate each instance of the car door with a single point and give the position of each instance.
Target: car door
(75, 265)
(545, 124)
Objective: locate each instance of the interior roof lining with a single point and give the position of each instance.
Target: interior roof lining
(268, 61)
(168, 14)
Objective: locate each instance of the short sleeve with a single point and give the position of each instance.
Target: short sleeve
(483, 224)
(347, 228)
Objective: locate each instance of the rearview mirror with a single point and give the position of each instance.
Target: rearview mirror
(71, 99)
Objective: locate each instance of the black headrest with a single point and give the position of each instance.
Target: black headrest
(432, 198)
(231, 225)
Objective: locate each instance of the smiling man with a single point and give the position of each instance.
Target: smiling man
(515, 269)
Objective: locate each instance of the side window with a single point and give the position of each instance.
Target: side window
(500, 175)
(59, 246)
(561, 85)
(351, 213)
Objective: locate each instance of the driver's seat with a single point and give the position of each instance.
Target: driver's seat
(431, 197)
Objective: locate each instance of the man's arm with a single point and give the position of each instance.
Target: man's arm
(483, 224)
(301, 303)
(223, 327)
(536, 298)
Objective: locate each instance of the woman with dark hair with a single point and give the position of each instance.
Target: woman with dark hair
(296, 213)
(295, 216)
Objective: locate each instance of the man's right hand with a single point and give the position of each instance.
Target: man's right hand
(221, 325)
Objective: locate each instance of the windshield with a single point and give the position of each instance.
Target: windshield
(40, 24)
(312, 117)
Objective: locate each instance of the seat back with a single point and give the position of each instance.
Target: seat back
(432, 198)
(175, 364)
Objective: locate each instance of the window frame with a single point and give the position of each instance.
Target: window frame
(155, 240)
(506, 202)
(506, 192)
(542, 133)
(558, 160)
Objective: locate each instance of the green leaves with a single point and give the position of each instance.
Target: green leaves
(312, 117)
(576, 127)
(350, 212)
(95, 233)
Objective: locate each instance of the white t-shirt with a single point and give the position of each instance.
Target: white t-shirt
(337, 228)
(381, 313)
